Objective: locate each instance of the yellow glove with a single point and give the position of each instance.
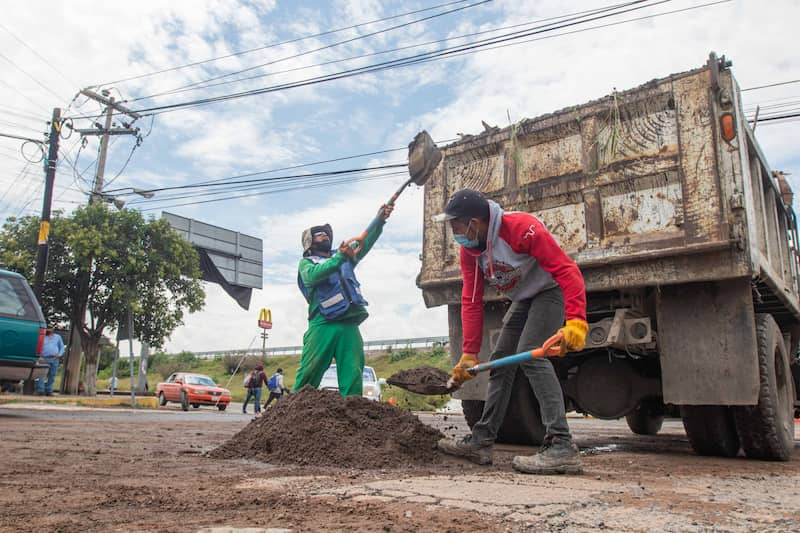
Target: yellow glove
(574, 335)
(459, 372)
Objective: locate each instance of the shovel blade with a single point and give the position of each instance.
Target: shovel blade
(423, 158)
(423, 380)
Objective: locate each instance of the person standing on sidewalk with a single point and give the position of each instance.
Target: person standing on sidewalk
(275, 387)
(255, 381)
(335, 307)
(516, 254)
(52, 350)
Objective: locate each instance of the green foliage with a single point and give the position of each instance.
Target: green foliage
(126, 262)
(402, 353)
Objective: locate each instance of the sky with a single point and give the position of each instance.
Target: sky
(119, 46)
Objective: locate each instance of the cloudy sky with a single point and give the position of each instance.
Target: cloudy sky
(51, 49)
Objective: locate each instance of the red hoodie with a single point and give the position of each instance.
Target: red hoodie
(522, 259)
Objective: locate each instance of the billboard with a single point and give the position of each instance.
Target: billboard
(232, 259)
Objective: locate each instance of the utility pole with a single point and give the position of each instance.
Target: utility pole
(49, 180)
(73, 364)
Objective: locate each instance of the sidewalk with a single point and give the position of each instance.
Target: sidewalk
(119, 400)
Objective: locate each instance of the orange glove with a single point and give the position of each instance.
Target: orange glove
(459, 372)
(574, 335)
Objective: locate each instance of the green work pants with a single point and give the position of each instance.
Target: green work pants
(326, 341)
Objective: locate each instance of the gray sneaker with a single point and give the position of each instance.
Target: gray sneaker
(557, 456)
(467, 449)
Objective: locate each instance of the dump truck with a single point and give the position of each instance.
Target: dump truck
(688, 245)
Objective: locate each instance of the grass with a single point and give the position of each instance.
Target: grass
(219, 370)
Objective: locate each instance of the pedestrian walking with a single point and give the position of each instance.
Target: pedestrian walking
(516, 255)
(52, 350)
(336, 307)
(254, 381)
(275, 387)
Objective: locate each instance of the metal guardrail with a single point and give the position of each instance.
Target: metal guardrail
(369, 346)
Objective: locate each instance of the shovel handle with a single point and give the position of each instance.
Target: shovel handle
(550, 348)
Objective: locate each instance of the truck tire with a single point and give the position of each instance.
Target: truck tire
(711, 429)
(766, 430)
(523, 421)
(647, 418)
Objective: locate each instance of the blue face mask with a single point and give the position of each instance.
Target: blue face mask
(464, 241)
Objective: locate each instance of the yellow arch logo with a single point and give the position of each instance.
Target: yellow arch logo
(265, 319)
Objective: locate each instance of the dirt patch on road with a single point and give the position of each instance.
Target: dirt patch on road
(320, 428)
(422, 380)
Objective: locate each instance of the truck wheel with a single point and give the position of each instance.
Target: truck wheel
(162, 400)
(711, 429)
(184, 401)
(647, 418)
(766, 430)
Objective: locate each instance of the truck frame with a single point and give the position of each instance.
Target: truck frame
(688, 245)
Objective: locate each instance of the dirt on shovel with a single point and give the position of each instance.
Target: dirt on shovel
(423, 380)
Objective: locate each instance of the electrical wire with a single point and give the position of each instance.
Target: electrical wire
(25, 96)
(40, 84)
(37, 54)
(392, 50)
(321, 48)
(281, 43)
(390, 64)
(777, 84)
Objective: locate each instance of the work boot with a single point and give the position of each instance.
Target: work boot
(556, 456)
(468, 449)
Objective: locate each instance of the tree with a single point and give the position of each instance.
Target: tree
(129, 261)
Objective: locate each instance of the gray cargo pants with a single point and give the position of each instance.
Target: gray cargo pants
(526, 325)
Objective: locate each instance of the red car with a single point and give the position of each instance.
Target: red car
(192, 389)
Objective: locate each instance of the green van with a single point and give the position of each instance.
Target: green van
(22, 328)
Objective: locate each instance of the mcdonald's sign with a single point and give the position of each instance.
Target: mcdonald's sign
(265, 319)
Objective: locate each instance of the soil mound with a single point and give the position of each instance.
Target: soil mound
(320, 428)
(422, 380)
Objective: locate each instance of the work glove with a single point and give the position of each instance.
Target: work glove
(573, 335)
(459, 372)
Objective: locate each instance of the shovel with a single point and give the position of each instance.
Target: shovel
(439, 382)
(423, 158)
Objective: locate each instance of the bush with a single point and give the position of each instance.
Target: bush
(439, 351)
(403, 353)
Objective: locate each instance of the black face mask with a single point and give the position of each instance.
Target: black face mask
(323, 247)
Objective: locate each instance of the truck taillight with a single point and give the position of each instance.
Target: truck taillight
(728, 126)
(40, 342)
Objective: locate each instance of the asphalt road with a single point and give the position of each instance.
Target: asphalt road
(113, 469)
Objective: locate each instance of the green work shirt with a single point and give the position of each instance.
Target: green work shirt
(313, 274)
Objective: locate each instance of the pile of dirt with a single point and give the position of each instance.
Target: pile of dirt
(320, 428)
(422, 380)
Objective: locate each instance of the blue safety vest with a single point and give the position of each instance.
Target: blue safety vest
(337, 293)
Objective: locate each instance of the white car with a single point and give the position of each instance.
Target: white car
(372, 385)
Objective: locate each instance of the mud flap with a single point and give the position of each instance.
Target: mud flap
(707, 343)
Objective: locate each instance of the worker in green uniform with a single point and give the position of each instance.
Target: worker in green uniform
(336, 306)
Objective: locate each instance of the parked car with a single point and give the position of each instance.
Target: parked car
(372, 385)
(22, 327)
(192, 389)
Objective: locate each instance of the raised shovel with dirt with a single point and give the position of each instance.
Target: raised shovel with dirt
(434, 381)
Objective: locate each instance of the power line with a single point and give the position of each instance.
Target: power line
(319, 49)
(391, 50)
(281, 43)
(23, 43)
(40, 84)
(398, 62)
(25, 96)
(770, 85)
(273, 191)
(777, 117)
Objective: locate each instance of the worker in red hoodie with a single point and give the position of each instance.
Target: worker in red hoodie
(516, 255)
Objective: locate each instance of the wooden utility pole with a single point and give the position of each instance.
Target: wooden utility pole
(49, 181)
(73, 364)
